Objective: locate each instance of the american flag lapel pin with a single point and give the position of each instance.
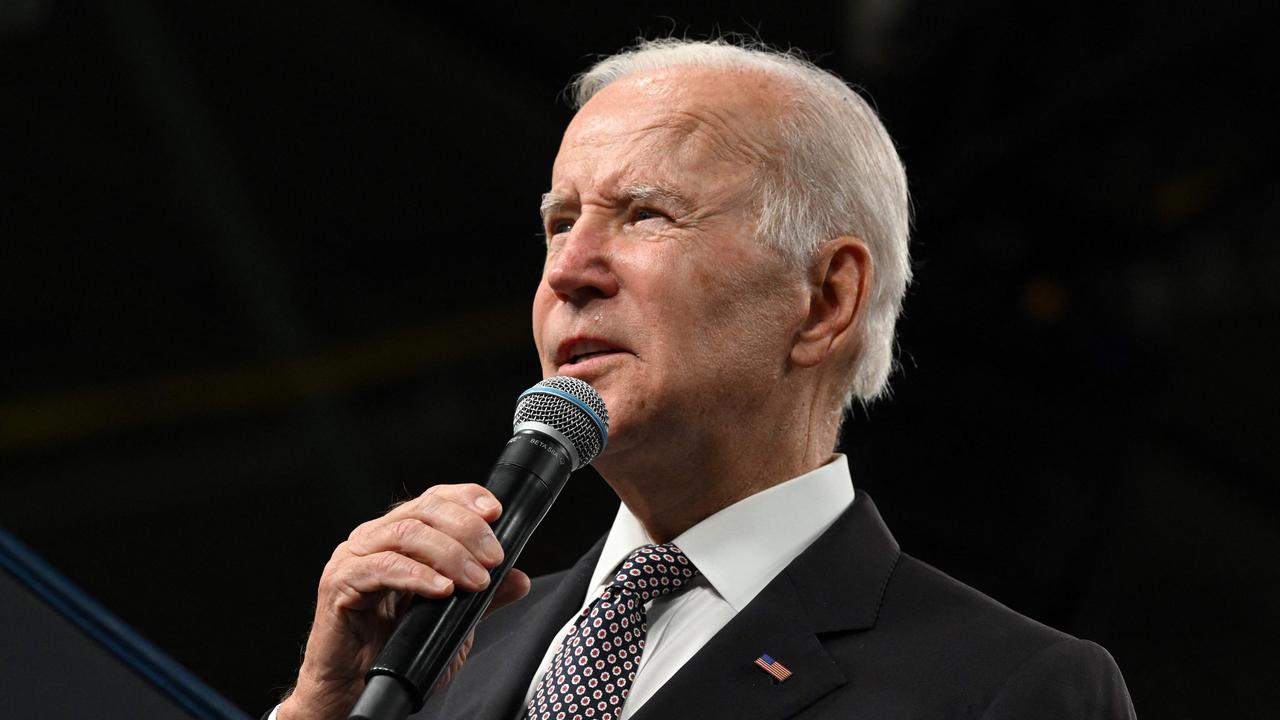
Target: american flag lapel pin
(773, 667)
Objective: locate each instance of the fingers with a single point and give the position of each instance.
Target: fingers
(431, 546)
(469, 495)
(445, 530)
(360, 582)
(415, 541)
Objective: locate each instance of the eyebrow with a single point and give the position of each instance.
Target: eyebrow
(650, 192)
(553, 201)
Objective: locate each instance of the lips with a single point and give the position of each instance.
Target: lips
(577, 350)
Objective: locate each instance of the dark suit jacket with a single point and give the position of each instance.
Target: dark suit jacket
(867, 631)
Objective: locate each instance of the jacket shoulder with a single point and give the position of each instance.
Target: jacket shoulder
(940, 645)
(919, 594)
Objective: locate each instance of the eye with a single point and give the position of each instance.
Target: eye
(557, 227)
(642, 214)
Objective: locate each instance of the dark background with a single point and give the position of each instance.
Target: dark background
(266, 269)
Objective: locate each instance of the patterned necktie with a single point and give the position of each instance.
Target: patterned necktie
(590, 676)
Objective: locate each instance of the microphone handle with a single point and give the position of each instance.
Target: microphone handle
(526, 479)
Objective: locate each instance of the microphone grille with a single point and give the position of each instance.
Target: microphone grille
(573, 408)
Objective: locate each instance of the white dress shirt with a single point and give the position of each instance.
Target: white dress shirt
(738, 551)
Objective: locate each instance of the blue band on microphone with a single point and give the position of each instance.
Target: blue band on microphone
(545, 390)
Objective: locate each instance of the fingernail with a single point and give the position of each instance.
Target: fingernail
(475, 573)
(486, 503)
(441, 583)
(492, 547)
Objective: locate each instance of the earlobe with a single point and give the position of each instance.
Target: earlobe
(839, 283)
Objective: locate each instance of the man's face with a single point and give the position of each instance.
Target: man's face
(655, 290)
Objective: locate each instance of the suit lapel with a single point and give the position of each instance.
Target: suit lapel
(496, 676)
(833, 586)
(722, 680)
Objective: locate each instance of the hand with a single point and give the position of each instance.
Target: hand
(428, 546)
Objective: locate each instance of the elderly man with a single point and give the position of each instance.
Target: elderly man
(726, 258)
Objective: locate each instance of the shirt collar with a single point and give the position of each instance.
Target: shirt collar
(742, 547)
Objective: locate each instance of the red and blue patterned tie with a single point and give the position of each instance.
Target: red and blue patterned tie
(590, 676)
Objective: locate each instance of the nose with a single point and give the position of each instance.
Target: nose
(581, 269)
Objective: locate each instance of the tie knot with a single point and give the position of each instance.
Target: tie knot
(654, 570)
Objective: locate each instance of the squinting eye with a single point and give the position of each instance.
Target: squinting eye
(645, 214)
(561, 226)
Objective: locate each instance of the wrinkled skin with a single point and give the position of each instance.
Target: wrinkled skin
(429, 547)
(713, 354)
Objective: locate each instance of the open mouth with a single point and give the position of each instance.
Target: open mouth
(575, 359)
(581, 350)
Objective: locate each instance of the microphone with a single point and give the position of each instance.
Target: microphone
(560, 425)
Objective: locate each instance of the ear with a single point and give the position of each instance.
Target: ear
(839, 283)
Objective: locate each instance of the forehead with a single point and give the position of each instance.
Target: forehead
(684, 125)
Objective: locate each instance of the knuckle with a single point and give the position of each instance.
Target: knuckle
(460, 492)
(474, 526)
(458, 515)
(404, 531)
(386, 563)
(428, 502)
(335, 574)
(328, 580)
(342, 551)
(361, 530)
(340, 561)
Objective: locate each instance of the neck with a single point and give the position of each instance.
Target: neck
(671, 489)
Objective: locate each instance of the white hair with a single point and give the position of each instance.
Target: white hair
(837, 174)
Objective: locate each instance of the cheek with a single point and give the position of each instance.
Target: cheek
(542, 304)
(745, 321)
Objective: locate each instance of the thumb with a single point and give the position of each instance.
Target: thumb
(514, 586)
